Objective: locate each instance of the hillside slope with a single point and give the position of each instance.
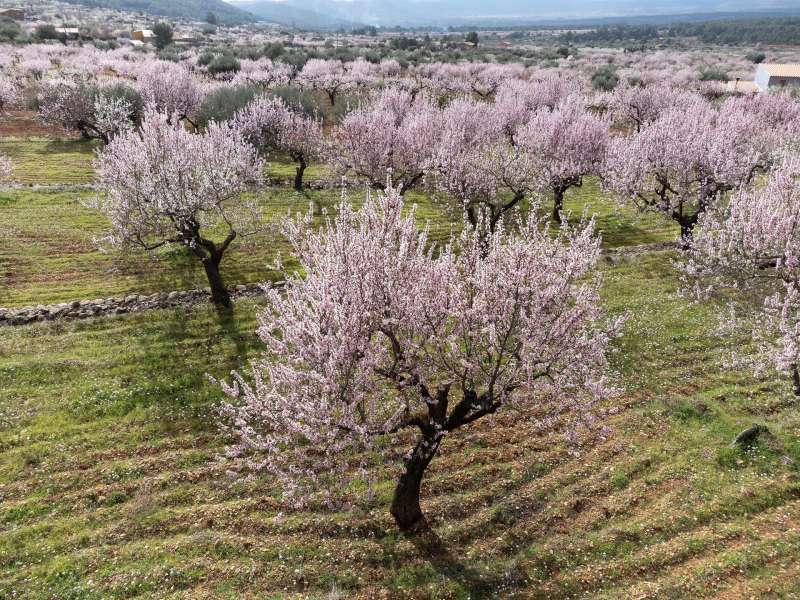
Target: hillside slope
(190, 9)
(298, 14)
(387, 13)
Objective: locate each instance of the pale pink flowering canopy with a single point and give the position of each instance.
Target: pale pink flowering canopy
(752, 240)
(393, 135)
(381, 333)
(156, 182)
(6, 169)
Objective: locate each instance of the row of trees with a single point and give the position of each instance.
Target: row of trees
(674, 152)
(382, 334)
(776, 30)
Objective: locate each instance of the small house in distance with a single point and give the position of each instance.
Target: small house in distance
(143, 35)
(774, 75)
(70, 33)
(13, 13)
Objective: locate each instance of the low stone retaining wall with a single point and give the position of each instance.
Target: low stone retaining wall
(613, 254)
(84, 309)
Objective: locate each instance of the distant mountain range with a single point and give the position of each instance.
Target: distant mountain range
(387, 13)
(337, 14)
(296, 14)
(190, 9)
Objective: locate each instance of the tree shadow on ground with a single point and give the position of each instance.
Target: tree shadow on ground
(433, 549)
(229, 328)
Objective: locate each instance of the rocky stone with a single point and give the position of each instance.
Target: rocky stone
(84, 309)
(749, 435)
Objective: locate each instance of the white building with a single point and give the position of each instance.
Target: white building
(773, 75)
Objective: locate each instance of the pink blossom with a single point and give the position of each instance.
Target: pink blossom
(328, 76)
(395, 134)
(682, 162)
(9, 94)
(163, 185)
(169, 88)
(6, 169)
(641, 105)
(475, 164)
(383, 334)
(754, 240)
(562, 146)
(74, 104)
(270, 125)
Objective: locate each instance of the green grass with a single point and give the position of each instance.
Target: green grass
(282, 168)
(110, 488)
(48, 252)
(50, 161)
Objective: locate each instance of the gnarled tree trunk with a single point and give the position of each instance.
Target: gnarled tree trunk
(558, 204)
(299, 170)
(405, 504)
(219, 293)
(210, 254)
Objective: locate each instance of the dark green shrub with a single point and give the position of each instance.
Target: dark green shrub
(10, 31)
(46, 32)
(224, 63)
(605, 78)
(222, 104)
(163, 33)
(302, 101)
(709, 73)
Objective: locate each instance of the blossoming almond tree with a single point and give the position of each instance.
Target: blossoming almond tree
(396, 133)
(170, 88)
(270, 125)
(563, 146)
(683, 161)
(9, 94)
(6, 169)
(752, 240)
(262, 73)
(95, 112)
(517, 99)
(476, 165)
(382, 335)
(637, 106)
(328, 76)
(163, 185)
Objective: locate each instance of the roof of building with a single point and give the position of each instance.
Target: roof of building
(145, 32)
(782, 70)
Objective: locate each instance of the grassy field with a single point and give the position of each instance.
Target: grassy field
(48, 251)
(110, 487)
